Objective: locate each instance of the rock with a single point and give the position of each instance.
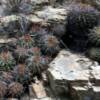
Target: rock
(7, 19)
(96, 90)
(60, 3)
(75, 74)
(52, 14)
(38, 2)
(95, 73)
(39, 90)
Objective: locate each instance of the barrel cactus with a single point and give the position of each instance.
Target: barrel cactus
(7, 61)
(22, 74)
(15, 89)
(37, 64)
(50, 44)
(20, 53)
(36, 51)
(26, 41)
(7, 77)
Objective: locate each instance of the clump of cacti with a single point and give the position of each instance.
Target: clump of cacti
(15, 89)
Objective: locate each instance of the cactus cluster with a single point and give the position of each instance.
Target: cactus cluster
(32, 49)
(29, 57)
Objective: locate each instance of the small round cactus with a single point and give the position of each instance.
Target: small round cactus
(94, 36)
(34, 51)
(20, 53)
(3, 89)
(50, 44)
(15, 89)
(7, 77)
(37, 64)
(7, 61)
(94, 53)
(21, 72)
(26, 41)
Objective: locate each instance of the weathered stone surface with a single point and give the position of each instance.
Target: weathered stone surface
(52, 14)
(74, 73)
(8, 19)
(39, 90)
(95, 73)
(35, 2)
(80, 93)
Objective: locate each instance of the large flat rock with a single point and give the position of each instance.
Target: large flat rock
(75, 74)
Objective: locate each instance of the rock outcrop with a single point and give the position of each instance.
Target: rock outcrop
(75, 74)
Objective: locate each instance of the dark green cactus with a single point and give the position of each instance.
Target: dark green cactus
(81, 18)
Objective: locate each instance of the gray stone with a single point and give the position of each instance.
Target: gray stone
(52, 14)
(76, 74)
